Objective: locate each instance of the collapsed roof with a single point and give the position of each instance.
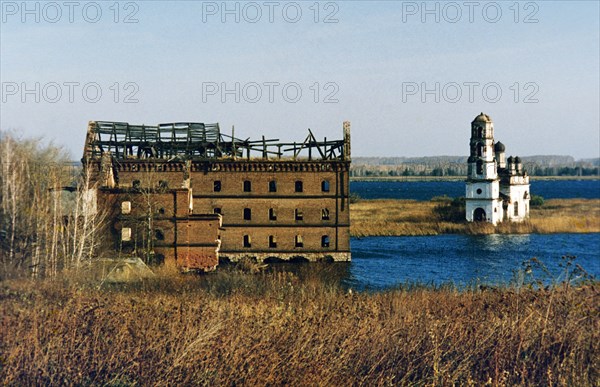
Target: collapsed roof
(198, 141)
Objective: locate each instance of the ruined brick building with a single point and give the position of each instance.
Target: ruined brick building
(186, 193)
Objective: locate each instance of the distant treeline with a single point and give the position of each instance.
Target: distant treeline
(457, 166)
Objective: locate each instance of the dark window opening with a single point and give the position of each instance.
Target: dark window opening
(516, 209)
(272, 186)
(161, 211)
(217, 210)
(299, 242)
(298, 214)
(299, 186)
(163, 184)
(325, 214)
(247, 241)
(325, 186)
(479, 167)
(247, 214)
(136, 184)
(159, 235)
(217, 186)
(480, 132)
(479, 191)
(479, 150)
(247, 186)
(272, 242)
(325, 241)
(272, 214)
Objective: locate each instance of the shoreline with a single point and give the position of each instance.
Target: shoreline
(397, 217)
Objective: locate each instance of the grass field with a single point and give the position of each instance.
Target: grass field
(277, 328)
(410, 217)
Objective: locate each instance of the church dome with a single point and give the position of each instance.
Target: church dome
(517, 160)
(510, 160)
(482, 118)
(499, 147)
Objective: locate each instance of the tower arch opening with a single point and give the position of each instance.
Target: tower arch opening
(479, 215)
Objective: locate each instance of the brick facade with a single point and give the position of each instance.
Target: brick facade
(196, 211)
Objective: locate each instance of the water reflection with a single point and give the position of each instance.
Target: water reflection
(381, 262)
(385, 262)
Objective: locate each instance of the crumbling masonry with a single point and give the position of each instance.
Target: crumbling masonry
(190, 195)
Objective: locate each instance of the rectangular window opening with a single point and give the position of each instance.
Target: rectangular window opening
(299, 242)
(247, 186)
(299, 186)
(247, 214)
(272, 214)
(272, 242)
(298, 214)
(126, 207)
(126, 234)
(217, 186)
(247, 241)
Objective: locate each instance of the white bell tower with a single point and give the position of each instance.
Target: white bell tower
(483, 201)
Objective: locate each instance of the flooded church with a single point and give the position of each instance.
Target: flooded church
(497, 188)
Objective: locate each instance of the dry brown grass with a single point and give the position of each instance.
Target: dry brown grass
(410, 217)
(277, 328)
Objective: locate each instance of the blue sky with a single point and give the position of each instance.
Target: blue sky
(542, 56)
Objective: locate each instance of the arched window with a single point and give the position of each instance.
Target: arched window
(247, 186)
(272, 186)
(480, 132)
(299, 186)
(299, 242)
(325, 214)
(325, 241)
(325, 186)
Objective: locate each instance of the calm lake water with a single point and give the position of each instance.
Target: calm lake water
(384, 262)
(425, 190)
